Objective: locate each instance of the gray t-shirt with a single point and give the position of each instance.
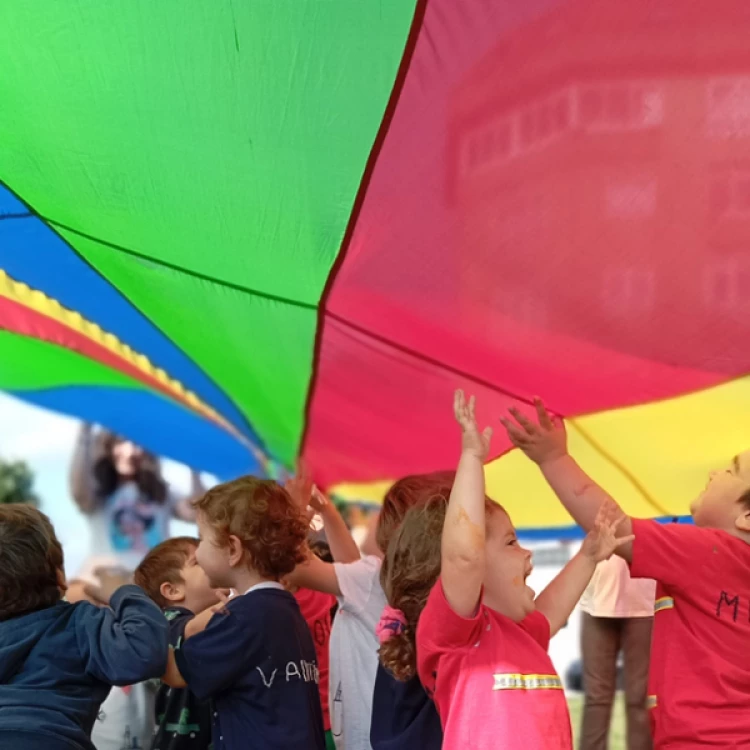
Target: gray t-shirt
(354, 652)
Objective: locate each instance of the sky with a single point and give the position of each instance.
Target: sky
(45, 441)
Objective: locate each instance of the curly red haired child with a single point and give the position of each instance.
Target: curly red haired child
(256, 658)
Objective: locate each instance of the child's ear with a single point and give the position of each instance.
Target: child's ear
(236, 551)
(172, 592)
(742, 522)
(62, 584)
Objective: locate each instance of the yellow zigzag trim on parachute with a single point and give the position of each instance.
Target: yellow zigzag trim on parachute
(39, 302)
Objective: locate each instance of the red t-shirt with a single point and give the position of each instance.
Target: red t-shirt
(699, 679)
(316, 609)
(491, 678)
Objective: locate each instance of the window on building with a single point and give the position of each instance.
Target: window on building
(628, 291)
(619, 106)
(631, 199)
(728, 107)
(726, 281)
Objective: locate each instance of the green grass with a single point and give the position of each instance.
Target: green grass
(617, 730)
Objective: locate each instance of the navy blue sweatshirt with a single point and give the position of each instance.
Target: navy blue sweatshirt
(57, 666)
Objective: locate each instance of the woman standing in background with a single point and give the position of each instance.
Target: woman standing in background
(118, 486)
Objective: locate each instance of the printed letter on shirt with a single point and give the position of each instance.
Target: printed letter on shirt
(733, 602)
(266, 682)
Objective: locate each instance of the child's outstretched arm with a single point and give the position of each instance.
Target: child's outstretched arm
(315, 573)
(546, 445)
(462, 559)
(557, 601)
(343, 547)
(126, 644)
(172, 675)
(200, 622)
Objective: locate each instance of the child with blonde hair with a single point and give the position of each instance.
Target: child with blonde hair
(482, 637)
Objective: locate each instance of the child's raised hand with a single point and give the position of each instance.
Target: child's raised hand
(602, 541)
(300, 489)
(541, 442)
(474, 442)
(318, 501)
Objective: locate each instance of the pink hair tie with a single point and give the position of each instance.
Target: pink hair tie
(392, 622)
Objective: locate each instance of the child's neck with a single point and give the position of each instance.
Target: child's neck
(743, 535)
(246, 578)
(187, 604)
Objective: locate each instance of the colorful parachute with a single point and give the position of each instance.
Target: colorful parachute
(240, 232)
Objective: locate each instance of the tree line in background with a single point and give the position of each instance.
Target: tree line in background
(17, 483)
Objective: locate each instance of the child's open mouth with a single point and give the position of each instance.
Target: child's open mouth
(525, 578)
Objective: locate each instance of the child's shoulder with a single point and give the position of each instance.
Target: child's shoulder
(358, 573)
(257, 605)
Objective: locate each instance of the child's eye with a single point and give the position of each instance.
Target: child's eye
(513, 541)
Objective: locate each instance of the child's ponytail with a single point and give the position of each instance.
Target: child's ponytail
(410, 569)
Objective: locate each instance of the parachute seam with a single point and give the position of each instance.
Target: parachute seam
(256, 443)
(5, 217)
(180, 269)
(431, 360)
(634, 481)
(407, 57)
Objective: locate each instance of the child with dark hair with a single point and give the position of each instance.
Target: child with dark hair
(59, 660)
(699, 674)
(171, 576)
(257, 660)
(354, 644)
(318, 609)
(482, 637)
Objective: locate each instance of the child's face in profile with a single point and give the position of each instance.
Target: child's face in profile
(212, 557)
(507, 566)
(199, 594)
(717, 506)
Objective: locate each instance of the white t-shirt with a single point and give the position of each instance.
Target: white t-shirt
(126, 719)
(613, 593)
(354, 652)
(126, 527)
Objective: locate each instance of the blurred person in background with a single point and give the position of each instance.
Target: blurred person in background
(119, 487)
(618, 614)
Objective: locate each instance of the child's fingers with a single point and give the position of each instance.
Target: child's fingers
(624, 540)
(487, 433)
(223, 596)
(472, 406)
(318, 500)
(458, 405)
(516, 436)
(542, 414)
(524, 421)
